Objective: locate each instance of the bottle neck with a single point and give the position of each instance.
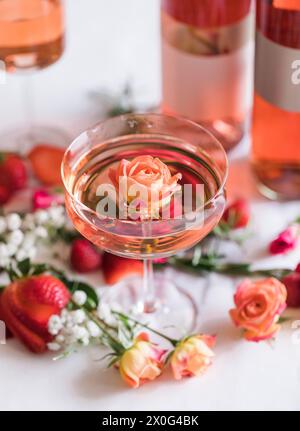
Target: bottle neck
(277, 24)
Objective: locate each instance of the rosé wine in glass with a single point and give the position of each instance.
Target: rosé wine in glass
(188, 155)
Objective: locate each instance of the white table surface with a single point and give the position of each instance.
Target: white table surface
(110, 42)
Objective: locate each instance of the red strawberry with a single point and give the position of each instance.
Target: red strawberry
(8, 333)
(84, 256)
(27, 304)
(292, 284)
(34, 342)
(237, 214)
(13, 175)
(45, 162)
(5, 194)
(116, 268)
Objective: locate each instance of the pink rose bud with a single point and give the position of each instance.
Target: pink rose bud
(192, 356)
(148, 175)
(237, 214)
(286, 240)
(141, 362)
(160, 261)
(42, 199)
(292, 284)
(258, 306)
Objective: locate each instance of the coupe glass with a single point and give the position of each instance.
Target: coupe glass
(31, 38)
(186, 148)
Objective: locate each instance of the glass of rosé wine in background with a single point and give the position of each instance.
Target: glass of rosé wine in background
(31, 38)
(177, 170)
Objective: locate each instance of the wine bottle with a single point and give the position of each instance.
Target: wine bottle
(276, 119)
(207, 64)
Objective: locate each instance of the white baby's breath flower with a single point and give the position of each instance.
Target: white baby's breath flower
(60, 339)
(21, 255)
(79, 297)
(16, 237)
(69, 324)
(57, 215)
(3, 225)
(28, 241)
(31, 253)
(85, 341)
(54, 324)
(80, 332)
(70, 336)
(78, 316)
(13, 221)
(41, 216)
(54, 347)
(41, 232)
(64, 315)
(4, 255)
(104, 312)
(93, 329)
(28, 222)
(11, 249)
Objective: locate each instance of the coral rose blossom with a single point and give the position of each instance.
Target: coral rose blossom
(258, 307)
(286, 240)
(150, 176)
(141, 362)
(192, 356)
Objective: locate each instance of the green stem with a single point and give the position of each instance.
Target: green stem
(234, 269)
(118, 347)
(171, 340)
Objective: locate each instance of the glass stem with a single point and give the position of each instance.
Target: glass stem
(148, 287)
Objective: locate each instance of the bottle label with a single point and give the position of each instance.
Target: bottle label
(277, 74)
(203, 84)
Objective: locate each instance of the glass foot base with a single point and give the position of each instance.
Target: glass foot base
(171, 309)
(22, 140)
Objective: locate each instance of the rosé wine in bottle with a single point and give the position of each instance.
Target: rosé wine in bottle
(207, 59)
(276, 122)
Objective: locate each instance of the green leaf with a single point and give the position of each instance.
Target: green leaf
(38, 269)
(24, 266)
(92, 297)
(284, 319)
(67, 235)
(113, 361)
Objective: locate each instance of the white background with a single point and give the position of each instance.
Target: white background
(108, 43)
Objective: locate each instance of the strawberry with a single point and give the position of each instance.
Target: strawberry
(46, 162)
(237, 214)
(116, 268)
(13, 175)
(27, 304)
(5, 194)
(8, 332)
(292, 284)
(34, 342)
(84, 256)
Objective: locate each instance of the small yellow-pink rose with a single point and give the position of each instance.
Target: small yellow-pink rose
(151, 176)
(258, 306)
(192, 356)
(141, 362)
